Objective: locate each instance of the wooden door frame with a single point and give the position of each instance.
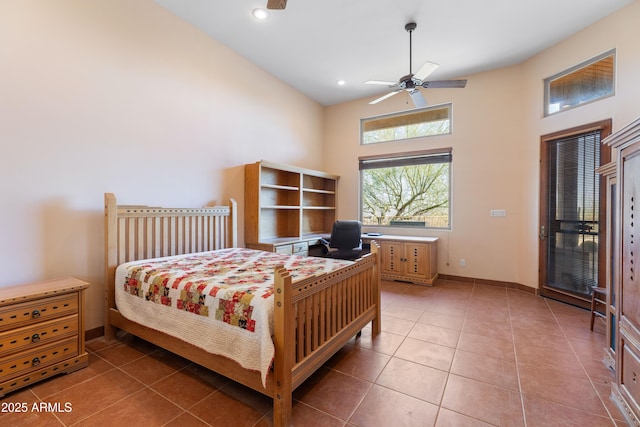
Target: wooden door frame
(605, 157)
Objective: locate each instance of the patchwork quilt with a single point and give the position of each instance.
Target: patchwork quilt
(220, 301)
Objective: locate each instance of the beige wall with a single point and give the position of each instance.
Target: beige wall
(486, 128)
(122, 96)
(497, 124)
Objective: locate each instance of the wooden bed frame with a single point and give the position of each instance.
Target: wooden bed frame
(313, 318)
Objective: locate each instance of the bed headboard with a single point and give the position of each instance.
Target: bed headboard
(140, 232)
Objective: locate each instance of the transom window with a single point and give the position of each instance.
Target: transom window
(430, 121)
(586, 82)
(407, 190)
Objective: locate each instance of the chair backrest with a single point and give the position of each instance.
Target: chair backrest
(346, 235)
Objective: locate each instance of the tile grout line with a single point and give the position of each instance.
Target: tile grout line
(455, 351)
(515, 355)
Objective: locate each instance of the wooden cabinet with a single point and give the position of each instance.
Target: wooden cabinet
(407, 258)
(626, 259)
(41, 331)
(287, 205)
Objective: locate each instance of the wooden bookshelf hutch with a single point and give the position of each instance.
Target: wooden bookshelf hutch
(287, 208)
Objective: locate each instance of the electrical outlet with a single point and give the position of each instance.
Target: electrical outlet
(462, 262)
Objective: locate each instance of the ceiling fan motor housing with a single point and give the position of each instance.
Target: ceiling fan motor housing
(407, 81)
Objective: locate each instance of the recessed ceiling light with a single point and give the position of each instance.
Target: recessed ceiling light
(341, 82)
(260, 14)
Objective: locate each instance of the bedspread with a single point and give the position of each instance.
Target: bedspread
(220, 301)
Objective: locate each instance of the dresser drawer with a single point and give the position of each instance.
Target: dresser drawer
(66, 366)
(23, 314)
(37, 334)
(37, 358)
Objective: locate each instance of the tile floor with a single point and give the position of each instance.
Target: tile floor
(456, 354)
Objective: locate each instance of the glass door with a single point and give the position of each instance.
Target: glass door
(571, 233)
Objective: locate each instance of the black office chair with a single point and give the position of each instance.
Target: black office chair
(345, 242)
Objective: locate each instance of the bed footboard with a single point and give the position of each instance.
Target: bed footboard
(316, 317)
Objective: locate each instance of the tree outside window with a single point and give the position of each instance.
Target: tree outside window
(410, 190)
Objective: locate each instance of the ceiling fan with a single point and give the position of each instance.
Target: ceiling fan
(276, 4)
(411, 82)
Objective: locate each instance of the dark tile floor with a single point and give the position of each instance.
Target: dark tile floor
(455, 354)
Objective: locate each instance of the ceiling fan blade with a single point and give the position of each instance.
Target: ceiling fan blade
(382, 98)
(426, 69)
(435, 84)
(380, 82)
(276, 4)
(417, 98)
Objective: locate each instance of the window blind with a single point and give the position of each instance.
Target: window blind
(404, 119)
(406, 159)
(574, 194)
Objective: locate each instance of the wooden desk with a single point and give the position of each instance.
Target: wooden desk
(288, 245)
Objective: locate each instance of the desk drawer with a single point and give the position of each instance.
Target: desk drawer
(284, 249)
(301, 248)
(26, 313)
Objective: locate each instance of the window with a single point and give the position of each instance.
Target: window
(592, 80)
(406, 190)
(429, 121)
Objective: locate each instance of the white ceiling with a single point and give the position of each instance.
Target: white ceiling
(313, 44)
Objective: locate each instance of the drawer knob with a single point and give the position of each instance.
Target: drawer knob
(35, 338)
(35, 314)
(35, 361)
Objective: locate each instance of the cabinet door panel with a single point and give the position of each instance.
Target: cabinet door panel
(631, 238)
(417, 256)
(392, 257)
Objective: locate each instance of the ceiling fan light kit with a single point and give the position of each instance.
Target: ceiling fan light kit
(411, 82)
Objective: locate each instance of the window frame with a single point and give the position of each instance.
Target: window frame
(575, 70)
(400, 115)
(422, 157)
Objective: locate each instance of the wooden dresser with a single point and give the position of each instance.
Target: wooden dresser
(41, 331)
